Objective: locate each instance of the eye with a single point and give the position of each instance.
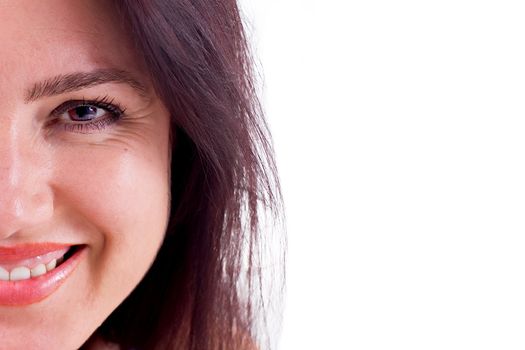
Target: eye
(85, 113)
(85, 116)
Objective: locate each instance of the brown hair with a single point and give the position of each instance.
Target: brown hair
(204, 290)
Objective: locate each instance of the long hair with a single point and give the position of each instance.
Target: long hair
(205, 288)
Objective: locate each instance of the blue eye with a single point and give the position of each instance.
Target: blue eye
(84, 116)
(85, 113)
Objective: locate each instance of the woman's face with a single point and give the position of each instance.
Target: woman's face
(84, 163)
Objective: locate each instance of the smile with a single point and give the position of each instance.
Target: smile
(32, 272)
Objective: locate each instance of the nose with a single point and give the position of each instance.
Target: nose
(25, 196)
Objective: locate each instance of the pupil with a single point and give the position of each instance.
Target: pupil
(85, 112)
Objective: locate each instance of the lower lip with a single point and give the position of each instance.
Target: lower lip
(25, 292)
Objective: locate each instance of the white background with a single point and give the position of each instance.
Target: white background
(400, 135)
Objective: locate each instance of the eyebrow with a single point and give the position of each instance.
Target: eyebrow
(80, 80)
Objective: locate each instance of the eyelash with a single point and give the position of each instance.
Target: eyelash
(114, 112)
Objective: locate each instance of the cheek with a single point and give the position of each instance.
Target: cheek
(119, 198)
(114, 187)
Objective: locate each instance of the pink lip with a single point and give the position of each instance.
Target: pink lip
(26, 251)
(25, 292)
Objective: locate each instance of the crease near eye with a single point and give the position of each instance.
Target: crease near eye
(87, 116)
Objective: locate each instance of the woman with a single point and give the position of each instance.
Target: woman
(135, 169)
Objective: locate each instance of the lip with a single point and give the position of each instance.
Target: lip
(25, 292)
(26, 251)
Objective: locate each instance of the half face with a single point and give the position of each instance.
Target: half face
(84, 171)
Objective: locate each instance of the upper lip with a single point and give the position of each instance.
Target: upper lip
(28, 250)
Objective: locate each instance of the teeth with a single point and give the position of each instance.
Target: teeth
(51, 265)
(4, 274)
(19, 273)
(38, 270)
(23, 273)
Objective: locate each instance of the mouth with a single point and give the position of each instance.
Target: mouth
(29, 274)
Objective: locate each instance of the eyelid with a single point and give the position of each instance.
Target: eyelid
(114, 113)
(105, 103)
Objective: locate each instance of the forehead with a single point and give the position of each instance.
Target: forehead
(40, 39)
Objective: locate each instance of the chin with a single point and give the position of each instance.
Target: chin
(41, 337)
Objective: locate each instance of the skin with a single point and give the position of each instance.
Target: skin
(107, 189)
